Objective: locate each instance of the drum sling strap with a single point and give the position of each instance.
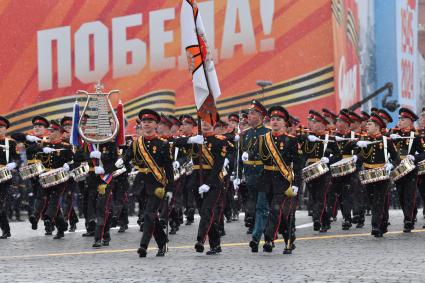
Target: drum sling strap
(384, 140)
(325, 145)
(412, 136)
(6, 144)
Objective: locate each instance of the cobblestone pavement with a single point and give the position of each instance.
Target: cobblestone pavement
(337, 256)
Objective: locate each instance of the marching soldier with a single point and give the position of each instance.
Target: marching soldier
(55, 154)
(319, 147)
(277, 151)
(331, 119)
(185, 155)
(9, 160)
(207, 184)
(152, 157)
(408, 145)
(256, 203)
(373, 154)
(72, 188)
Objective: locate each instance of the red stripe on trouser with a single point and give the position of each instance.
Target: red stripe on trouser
(105, 215)
(212, 217)
(43, 208)
(58, 204)
(324, 204)
(279, 219)
(334, 208)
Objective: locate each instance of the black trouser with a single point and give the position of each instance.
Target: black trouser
(151, 226)
(421, 188)
(54, 211)
(175, 212)
(209, 210)
(188, 197)
(4, 192)
(68, 202)
(287, 224)
(406, 189)
(359, 198)
(120, 198)
(340, 193)
(103, 219)
(90, 199)
(275, 187)
(378, 193)
(252, 184)
(40, 199)
(318, 189)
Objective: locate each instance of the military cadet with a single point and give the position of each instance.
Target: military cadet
(409, 145)
(330, 118)
(252, 165)
(277, 151)
(54, 154)
(152, 157)
(175, 128)
(373, 154)
(40, 198)
(387, 119)
(71, 190)
(185, 155)
(207, 184)
(319, 146)
(9, 160)
(421, 178)
(342, 187)
(233, 137)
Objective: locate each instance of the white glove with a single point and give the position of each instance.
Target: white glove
(11, 166)
(295, 189)
(65, 167)
(95, 154)
(324, 160)
(236, 183)
(388, 167)
(237, 138)
(198, 139)
(313, 138)
(226, 162)
(98, 170)
(203, 189)
(362, 143)
(355, 158)
(411, 157)
(169, 196)
(245, 156)
(32, 138)
(395, 136)
(176, 165)
(48, 150)
(119, 163)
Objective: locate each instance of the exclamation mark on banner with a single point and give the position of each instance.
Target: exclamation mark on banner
(266, 13)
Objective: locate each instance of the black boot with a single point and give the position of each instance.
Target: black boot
(33, 222)
(161, 251)
(73, 227)
(199, 247)
(250, 230)
(5, 235)
(48, 227)
(173, 230)
(267, 247)
(142, 252)
(60, 234)
(214, 251)
(346, 225)
(254, 246)
(316, 226)
(122, 229)
(97, 244)
(408, 227)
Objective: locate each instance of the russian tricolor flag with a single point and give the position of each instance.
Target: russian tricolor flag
(75, 138)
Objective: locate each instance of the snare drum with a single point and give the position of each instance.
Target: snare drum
(31, 170)
(343, 167)
(118, 172)
(405, 167)
(314, 171)
(53, 178)
(5, 175)
(373, 175)
(81, 172)
(421, 167)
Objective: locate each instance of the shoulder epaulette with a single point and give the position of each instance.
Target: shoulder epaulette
(221, 137)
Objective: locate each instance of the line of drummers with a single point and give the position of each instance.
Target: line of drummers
(346, 161)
